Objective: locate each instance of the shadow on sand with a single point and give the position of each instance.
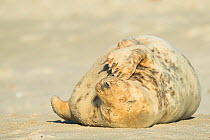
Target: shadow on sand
(190, 118)
(64, 122)
(71, 122)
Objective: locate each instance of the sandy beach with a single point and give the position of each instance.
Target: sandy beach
(49, 126)
(47, 46)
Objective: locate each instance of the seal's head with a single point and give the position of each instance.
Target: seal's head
(122, 102)
(118, 92)
(112, 88)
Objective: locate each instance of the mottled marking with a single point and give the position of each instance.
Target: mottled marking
(79, 84)
(137, 41)
(156, 50)
(133, 101)
(153, 80)
(88, 85)
(174, 67)
(105, 68)
(172, 93)
(95, 101)
(148, 77)
(158, 57)
(123, 99)
(94, 116)
(115, 114)
(87, 95)
(153, 71)
(79, 99)
(165, 65)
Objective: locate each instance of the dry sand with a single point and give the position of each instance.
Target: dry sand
(47, 46)
(49, 126)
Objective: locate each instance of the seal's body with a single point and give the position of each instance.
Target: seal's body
(141, 82)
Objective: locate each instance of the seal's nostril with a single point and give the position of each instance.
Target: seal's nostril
(106, 84)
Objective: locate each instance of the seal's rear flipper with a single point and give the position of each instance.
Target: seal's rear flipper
(61, 108)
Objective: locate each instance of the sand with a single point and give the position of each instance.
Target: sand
(48, 126)
(47, 46)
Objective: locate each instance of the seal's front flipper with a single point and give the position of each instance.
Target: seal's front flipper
(123, 61)
(61, 108)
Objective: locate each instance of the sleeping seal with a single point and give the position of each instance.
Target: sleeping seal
(141, 82)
